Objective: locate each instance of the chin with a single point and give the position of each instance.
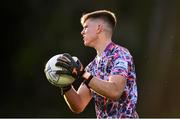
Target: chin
(87, 44)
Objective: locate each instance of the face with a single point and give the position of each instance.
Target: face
(89, 32)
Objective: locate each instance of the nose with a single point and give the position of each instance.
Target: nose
(82, 32)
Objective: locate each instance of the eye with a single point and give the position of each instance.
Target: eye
(85, 27)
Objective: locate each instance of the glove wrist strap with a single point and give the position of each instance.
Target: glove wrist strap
(65, 89)
(86, 81)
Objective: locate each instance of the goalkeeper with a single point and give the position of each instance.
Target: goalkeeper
(110, 78)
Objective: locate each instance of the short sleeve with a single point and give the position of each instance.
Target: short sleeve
(120, 66)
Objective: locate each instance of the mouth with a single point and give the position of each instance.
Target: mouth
(83, 37)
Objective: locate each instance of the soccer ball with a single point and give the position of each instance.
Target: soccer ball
(56, 79)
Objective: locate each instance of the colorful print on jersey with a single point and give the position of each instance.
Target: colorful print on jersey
(115, 60)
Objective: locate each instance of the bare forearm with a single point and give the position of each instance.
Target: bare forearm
(78, 100)
(108, 89)
(73, 100)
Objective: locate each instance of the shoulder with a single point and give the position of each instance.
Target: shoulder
(121, 49)
(118, 51)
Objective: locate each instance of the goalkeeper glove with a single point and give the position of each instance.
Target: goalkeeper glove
(73, 67)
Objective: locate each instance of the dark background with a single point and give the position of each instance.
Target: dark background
(32, 31)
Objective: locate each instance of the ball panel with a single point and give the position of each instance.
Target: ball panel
(65, 80)
(55, 79)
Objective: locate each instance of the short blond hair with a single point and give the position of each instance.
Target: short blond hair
(105, 15)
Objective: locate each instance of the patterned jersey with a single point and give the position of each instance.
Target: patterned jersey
(115, 60)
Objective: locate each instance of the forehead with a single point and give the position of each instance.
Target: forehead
(91, 22)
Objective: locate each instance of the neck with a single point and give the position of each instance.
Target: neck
(101, 47)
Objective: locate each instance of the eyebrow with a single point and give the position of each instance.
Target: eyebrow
(85, 25)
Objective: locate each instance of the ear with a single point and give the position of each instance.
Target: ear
(99, 28)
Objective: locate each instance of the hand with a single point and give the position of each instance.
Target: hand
(72, 66)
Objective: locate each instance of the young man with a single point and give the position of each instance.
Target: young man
(110, 78)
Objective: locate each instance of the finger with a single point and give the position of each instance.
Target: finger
(63, 61)
(69, 57)
(63, 58)
(66, 58)
(59, 72)
(73, 62)
(63, 65)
